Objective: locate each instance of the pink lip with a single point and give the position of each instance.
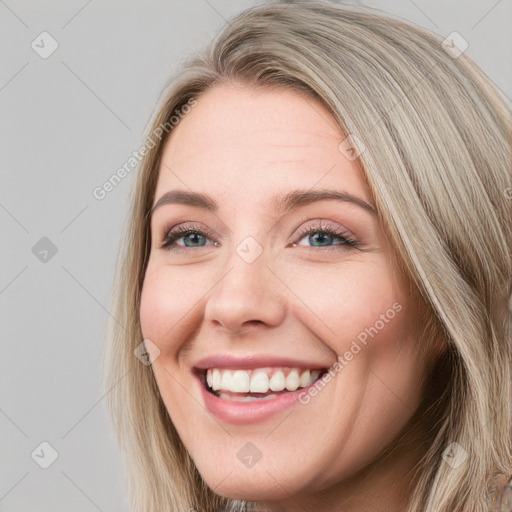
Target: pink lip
(241, 413)
(253, 361)
(258, 410)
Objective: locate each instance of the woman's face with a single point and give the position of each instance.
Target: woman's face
(280, 267)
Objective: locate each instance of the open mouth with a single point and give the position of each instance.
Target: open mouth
(257, 384)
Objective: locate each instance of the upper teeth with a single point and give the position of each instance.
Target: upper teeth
(260, 380)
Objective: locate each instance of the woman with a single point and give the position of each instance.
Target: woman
(317, 275)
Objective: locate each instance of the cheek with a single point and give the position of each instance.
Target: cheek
(364, 316)
(167, 297)
(152, 305)
(353, 301)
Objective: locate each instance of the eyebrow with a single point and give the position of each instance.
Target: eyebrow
(283, 204)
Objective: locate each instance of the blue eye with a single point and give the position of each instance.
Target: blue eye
(318, 237)
(194, 237)
(325, 237)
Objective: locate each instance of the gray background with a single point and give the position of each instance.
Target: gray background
(68, 122)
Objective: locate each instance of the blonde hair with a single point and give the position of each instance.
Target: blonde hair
(437, 155)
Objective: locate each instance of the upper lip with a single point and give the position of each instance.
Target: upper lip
(250, 362)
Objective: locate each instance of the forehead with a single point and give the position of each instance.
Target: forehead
(257, 141)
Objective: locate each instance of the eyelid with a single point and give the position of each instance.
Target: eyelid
(181, 229)
(177, 231)
(189, 225)
(328, 227)
(324, 224)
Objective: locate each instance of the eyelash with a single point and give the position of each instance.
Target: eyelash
(182, 231)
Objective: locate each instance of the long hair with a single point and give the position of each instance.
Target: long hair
(435, 137)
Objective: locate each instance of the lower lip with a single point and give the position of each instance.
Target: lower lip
(249, 412)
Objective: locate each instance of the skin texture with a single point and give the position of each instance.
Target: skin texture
(242, 146)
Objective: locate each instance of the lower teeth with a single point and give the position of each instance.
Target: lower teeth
(243, 398)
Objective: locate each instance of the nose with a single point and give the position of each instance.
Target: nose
(248, 294)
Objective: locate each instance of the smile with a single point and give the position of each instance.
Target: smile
(257, 384)
(250, 388)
